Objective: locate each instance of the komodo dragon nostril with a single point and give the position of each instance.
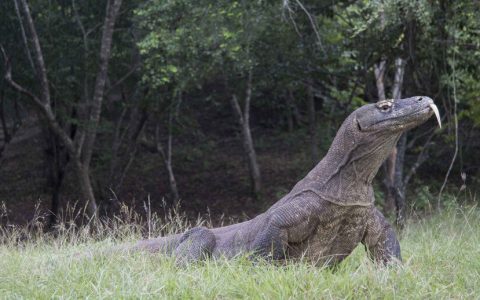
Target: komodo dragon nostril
(420, 99)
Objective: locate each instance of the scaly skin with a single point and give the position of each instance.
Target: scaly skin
(329, 212)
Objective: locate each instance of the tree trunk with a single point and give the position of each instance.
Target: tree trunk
(379, 71)
(55, 203)
(59, 161)
(6, 133)
(243, 119)
(389, 182)
(398, 181)
(113, 6)
(5, 139)
(399, 154)
(131, 151)
(312, 123)
(167, 157)
(389, 165)
(393, 185)
(398, 80)
(252, 159)
(172, 181)
(89, 136)
(127, 135)
(289, 112)
(296, 112)
(88, 196)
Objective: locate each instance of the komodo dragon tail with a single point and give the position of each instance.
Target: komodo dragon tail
(163, 245)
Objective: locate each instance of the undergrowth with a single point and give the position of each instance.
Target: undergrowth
(441, 261)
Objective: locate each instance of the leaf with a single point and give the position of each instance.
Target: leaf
(172, 69)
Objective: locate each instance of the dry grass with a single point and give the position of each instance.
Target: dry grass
(441, 253)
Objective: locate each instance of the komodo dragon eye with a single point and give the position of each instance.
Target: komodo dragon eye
(384, 106)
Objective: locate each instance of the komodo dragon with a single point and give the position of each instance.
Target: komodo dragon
(327, 213)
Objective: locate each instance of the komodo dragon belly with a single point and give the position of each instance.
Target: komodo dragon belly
(340, 229)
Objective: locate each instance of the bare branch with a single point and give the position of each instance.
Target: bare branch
(41, 69)
(313, 23)
(248, 97)
(455, 122)
(8, 78)
(123, 78)
(286, 6)
(421, 158)
(80, 24)
(24, 36)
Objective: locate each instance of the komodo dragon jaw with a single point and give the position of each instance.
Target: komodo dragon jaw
(327, 213)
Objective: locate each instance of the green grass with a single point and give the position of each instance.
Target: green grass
(441, 261)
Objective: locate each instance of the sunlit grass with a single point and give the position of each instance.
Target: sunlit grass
(441, 261)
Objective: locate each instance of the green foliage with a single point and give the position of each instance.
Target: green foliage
(463, 53)
(423, 198)
(186, 41)
(379, 27)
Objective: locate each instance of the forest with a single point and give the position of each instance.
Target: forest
(132, 114)
(221, 107)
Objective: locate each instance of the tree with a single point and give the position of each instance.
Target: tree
(223, 38)
(80, 149)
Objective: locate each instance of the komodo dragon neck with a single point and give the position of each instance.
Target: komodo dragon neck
(344, 176)
(363, 142)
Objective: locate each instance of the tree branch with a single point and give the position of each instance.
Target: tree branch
(421, 158)
(236, 108)
(113, 7)
(24, 36)
(8, 78)
(123, 78)
(40, 63)
(248, 97)
(45, 109)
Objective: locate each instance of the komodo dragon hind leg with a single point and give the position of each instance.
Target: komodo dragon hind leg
(194, 245)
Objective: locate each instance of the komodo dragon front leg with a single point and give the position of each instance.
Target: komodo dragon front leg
(380, 239)
(292, 222)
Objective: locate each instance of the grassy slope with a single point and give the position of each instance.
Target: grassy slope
(441, 260)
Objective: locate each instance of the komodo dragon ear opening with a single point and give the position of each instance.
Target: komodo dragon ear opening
(358, 124)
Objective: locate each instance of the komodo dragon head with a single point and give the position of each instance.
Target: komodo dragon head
(362, 144)
(395, 115)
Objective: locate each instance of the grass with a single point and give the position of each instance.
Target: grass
(441, 261)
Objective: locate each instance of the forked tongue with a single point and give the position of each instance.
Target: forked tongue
(437, 114)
